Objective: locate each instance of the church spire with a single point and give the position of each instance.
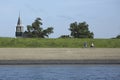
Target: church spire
(19, 28)
(19, 20)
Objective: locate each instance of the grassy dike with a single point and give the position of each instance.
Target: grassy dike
(56, 43)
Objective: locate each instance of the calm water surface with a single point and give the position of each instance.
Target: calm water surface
(60, 72)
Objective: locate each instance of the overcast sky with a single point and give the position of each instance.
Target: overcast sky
(103, 16)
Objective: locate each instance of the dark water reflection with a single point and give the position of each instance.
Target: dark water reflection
(60, 72)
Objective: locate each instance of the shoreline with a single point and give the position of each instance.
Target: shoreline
(38, 56)
(56, 62)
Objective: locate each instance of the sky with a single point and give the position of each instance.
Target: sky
(102, 16)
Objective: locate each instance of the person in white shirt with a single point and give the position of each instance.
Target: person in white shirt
(92, 45)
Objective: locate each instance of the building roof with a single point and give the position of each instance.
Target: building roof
(19, 21)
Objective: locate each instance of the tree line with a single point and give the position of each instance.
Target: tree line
(78, 30)
(36, 31)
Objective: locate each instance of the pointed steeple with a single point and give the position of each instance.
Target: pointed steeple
(19, 20)
(19, 28)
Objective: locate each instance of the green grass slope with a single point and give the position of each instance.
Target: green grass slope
(57, 43)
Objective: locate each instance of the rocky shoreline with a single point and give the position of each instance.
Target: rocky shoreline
(56, 62)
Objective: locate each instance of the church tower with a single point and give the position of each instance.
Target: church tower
(19, 28)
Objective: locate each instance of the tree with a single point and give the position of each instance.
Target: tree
(64, 36)
(80, 30)
(35, 30)
(118, 37)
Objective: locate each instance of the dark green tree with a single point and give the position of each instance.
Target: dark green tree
(64, 36)
(35, 30)
(80, 30)
(118, 37)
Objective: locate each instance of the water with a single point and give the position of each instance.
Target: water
(60, 72)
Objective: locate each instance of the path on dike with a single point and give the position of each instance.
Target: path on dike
(55, 55)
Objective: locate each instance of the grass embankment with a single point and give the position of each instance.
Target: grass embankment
(57, 43)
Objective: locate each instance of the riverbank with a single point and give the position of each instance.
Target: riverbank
(59, 55)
